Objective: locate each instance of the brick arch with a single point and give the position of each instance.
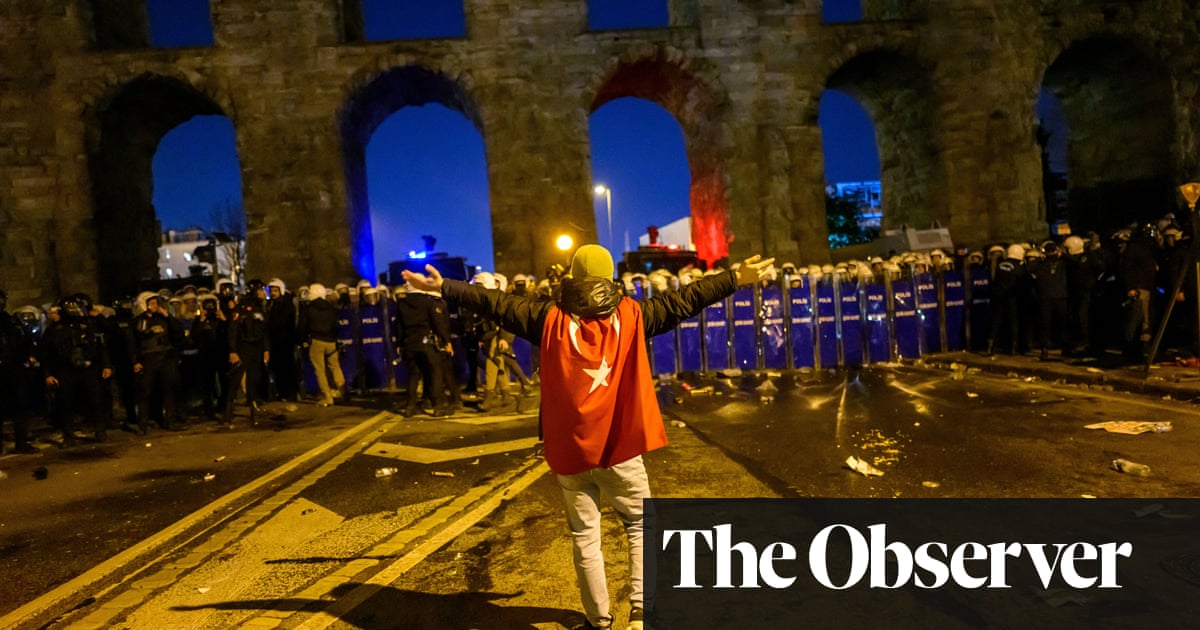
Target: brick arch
(898, 94)
(124, 129)
(664, 77)
(1118, 101)
(374, 97)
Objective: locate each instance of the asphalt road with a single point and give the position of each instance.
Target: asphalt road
(468, 531)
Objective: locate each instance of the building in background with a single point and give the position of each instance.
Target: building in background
(193, 253)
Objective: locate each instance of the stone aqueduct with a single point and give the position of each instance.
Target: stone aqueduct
(951, 86)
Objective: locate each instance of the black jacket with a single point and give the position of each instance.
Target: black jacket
(319, 320)
(421, 318)
(589, 298)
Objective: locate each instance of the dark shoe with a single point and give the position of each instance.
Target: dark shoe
(409, 412)
(637, 619)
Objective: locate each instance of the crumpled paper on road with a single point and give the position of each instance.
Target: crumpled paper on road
(862, 466)
(1131, 427)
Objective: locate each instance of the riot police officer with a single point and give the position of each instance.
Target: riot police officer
(153, 348)
(1004, 287)
(423, 331)
(248, 351)
(210, 336)
(282, 321)
(77, 364)
(16, 352)
(118, 334)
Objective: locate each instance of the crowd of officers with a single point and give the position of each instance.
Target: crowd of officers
(165, 355)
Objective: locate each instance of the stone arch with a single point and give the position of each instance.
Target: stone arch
(898, 94)
(664, 77)
(1118, 104)
(124, 134)
(374, 99)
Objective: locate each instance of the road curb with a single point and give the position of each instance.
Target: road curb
(71, 594)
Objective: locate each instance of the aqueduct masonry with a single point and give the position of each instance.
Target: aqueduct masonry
(951, 86)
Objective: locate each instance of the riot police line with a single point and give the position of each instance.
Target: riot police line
(830, 320)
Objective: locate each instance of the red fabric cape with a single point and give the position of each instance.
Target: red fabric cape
(598, 402)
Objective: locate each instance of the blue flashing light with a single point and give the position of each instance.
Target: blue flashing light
(415, 255)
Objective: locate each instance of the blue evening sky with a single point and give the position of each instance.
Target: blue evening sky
(426, 170)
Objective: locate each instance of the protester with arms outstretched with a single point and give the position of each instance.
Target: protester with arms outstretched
(599, 412)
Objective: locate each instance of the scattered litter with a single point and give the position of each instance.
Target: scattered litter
(439, 473)
(972, 395)
(458, 556)
(291, 408)
(209, 477)
(1131, 427)
(678, 400)
(1087, 496)
(1130, 468)
(774, 374)
(220, 459)
(1148, 510)
(1095, 370)
(1059, 596)
(476, 462)
(203, 589)
(766, 400)
(686, 387)
(679, 424)
(1030, 379)
(730, 373)
(707, 390)
(385, 472)
(147, 445)
(40, 473)
(863, 467)
(974, 370)
(767, 386)
(307, 511)
(916, 424)
(930, 484)
(1167, 397)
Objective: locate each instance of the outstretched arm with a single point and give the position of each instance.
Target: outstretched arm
(518, 315)
(664, 312)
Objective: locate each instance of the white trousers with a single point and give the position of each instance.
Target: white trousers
(624, 486)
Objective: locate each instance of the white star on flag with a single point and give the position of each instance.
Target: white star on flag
(599, 375)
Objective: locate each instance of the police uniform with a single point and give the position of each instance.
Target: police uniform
(423, 331)
(76, 363)
(248, 341)
(153, 347)
(16, 350)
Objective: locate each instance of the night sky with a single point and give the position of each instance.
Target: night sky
(425, 164)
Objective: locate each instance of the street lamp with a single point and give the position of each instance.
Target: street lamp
(564, 242)
(601, 189)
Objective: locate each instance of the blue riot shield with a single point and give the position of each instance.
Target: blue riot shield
(716, 336)
(373, 346)
(803, 348)
(691, 354)
(878, 329)
(980, 302)
(927, 311)
(745, 330)
(347, 336)
(827, 334)
(954, 309)
(662, 351)
(774, 335)
(906, 326)
(850, 313)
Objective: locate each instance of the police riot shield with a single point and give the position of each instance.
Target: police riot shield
(977, 322)
(373, 346)
(662, 352)
(878, 327)
(906, 327)
(827, 334)
(716, 335)
(691, 354)
(850, 322)
(954, 309)
(745, 330)
(774, 334)
(927, 311)
(347, 337)
(801, 324)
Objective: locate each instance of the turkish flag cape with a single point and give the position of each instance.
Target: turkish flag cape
(598, 403)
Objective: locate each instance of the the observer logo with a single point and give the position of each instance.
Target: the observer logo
(885, 564)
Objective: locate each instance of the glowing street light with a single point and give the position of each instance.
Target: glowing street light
(601, 189)
(564, 242)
